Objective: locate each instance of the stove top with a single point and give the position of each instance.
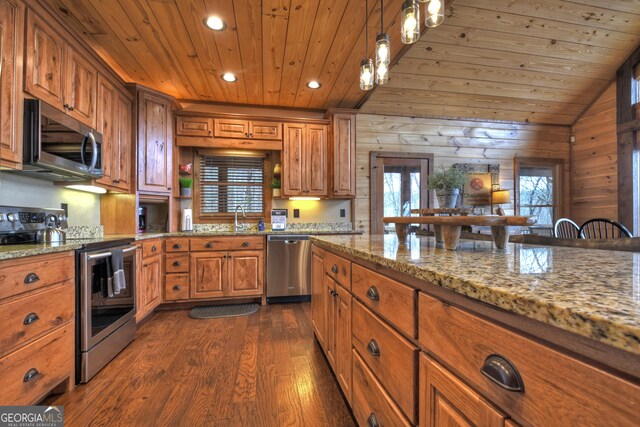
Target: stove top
(20, 225)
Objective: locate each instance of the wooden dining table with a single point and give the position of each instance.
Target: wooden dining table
(452, 226)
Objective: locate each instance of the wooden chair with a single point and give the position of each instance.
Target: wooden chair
(565, 228)
(600, 228)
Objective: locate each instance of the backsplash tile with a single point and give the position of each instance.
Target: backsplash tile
(308, 226)
(85, 232)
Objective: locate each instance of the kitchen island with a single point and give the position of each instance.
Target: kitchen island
(531, 335)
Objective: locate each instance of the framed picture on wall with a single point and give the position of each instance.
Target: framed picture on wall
(477, 189)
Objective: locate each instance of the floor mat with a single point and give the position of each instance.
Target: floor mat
(215, 311)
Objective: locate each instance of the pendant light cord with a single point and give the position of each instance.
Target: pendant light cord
(381, 16)
(366, 29)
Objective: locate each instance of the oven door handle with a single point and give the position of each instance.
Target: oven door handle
(108, 254)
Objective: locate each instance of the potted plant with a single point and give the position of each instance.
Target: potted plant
(185, 186)
(276, 183)
(447, 183)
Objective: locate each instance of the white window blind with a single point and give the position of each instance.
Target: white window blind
(227, 182)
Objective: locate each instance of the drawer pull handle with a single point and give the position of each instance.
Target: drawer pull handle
(372, 421)
(153, 248)
(177, 288)
(177, 246)
(245, 244)
(334, 269)
(372, 293)
(31, 278)
(30, 375)
(208, 245)
(177, 263)
(31, 318)
(502, 372)
(373, 348)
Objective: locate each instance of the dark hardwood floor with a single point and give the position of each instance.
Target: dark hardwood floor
(260, 370)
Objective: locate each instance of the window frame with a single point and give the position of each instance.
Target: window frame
(226, 217)
(557, 166)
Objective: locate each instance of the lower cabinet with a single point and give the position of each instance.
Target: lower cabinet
(318, 294)
(208, 274)
(342, 300)
(150, 278)
(226, 274)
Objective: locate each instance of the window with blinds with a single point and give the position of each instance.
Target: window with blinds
(227, 182)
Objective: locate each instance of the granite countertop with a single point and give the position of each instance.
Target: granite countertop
(592, 293)
(31, 249)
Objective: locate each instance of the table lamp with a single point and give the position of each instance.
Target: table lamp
(498, 197)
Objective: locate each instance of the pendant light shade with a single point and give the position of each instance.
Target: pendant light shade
(383, 51)
(366, 74)
(434, 13)
(410, 24)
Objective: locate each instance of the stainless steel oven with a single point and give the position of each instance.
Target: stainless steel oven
(105, 319)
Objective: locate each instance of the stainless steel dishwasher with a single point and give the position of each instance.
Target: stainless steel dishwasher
(288, 268)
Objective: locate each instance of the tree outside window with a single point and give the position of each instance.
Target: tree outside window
(538, 188)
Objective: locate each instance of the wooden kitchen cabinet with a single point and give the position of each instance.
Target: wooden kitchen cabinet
(194, 126)
(246, 273)
(446, 401)
(342, 156)
(149, 258)
(343, 339)
(57, 73)
(11, 30)
(329, 309)
(208, 274)
(155, 144)
(318, 294)
(251, 129)
(217, 274)
(304, 159)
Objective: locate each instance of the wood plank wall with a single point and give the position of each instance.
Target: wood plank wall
(595, 161)
(456, 141)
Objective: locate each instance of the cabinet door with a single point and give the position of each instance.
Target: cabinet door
(315, 164)
(152, 282)
(80, 88)
(318, 295)
(292, 167)
(447, 401)
(231, 128)
(154, 144)
(330, 320)
(208, 274)
(343, 155)
(44, 61)
(246, 273)
(265, 130)
(343, 340)
(122, 166)
(10, 105)
(194, 126)
(107, 124)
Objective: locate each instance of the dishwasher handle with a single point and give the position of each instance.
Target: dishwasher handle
(291, 242)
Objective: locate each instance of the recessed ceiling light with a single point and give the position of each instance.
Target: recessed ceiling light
(229, 77)
(215, 23)
(313, 84)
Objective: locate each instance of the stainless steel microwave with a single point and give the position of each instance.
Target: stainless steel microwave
(58, 147)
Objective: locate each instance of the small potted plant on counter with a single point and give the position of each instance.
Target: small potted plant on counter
(447, 183)
(276, 183)
(185, 186)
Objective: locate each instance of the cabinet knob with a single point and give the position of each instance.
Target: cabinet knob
(502, 372)
(372, 293)
(177, 263)
(66, 106)
(30, 375)
(31, 278)
(153, 248)
(250, 135)
(177, 288)
(334, 268)
(245, 244)
(208, 245)
(177, 246)
(372, 421)
(31, 318)
(373, 348)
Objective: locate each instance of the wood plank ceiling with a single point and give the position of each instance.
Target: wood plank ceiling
(541, 61)
(274, 46)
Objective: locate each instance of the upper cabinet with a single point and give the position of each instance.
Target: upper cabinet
(194, 126)
(11, 16)
(342, 155)
(154, 143)
(233, 128)
(57, 74)
(304, 160)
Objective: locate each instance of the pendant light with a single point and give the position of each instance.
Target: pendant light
(366, 66)
(410, 24)
(383, 51)
(434, 15)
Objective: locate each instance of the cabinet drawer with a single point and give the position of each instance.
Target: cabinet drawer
(370, 402)
(27, 274)
(392, 359)
(265, 130)
(177, 244)
(34, 315)
(150, 248)
(176, 263)
(34, 370)
(559, 390)
(339, 269)
(226, 243)
(176, 287)
(388, 298)
(194, 126)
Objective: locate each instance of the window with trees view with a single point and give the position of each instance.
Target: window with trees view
(538, 187)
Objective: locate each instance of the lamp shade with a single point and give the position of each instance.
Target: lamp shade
(501, 196)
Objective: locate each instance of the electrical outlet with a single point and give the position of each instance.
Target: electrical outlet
(296, 213)
(65, 207)
(343, 213)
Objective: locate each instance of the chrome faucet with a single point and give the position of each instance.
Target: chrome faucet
(237, 227)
